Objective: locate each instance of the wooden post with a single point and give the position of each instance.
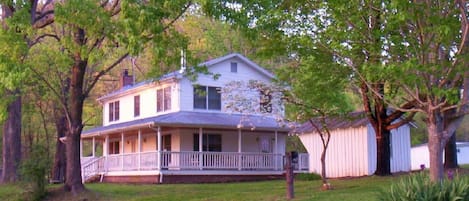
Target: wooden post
(139, 147)
(201, 160)
(276, 152)
(289, 177)
(122, 153)
(93, 147)
(81, 148)
(239, 149)
(158, 134)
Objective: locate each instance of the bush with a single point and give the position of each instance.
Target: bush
(418, 187)
(307, 176)
(34, 171)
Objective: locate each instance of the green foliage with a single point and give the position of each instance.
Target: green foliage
(34, 171)
(317, 87)
(418, 187)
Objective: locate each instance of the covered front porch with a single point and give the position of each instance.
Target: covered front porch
(156, 148)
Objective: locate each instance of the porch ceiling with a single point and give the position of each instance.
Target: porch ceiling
(194, 119)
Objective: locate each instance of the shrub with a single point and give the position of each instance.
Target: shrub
(34, 171)
(307, 176)
(418, 187)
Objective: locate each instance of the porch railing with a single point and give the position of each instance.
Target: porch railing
(193, 161)
(92, 167)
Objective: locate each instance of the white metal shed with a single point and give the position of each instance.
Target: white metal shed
(352, 148)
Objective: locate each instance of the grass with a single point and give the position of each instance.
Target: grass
(356, 189)
(360, 189)
(11, 192)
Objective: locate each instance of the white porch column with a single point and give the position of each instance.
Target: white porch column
(201, 160)
(106, 146)
(239, 149)
(93, 144)
(275, 151)
(158, 162)
(81, 148)
(106, 151)
(139, 147)
(122, 148)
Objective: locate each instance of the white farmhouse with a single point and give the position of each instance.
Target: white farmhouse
(352, 147)
(175, 130)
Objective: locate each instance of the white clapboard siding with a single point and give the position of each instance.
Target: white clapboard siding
(347, 154)
(352, 151)
(245, 73)
(420, 155)
(400, 148)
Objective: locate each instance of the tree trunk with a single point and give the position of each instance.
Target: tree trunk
(383, 148)
(73, 180)
(323, 167)
(58, 170)
(378, 118)
(12, 141)
(435, 146)
(451, 153)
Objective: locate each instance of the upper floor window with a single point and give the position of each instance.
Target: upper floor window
(234, 67)
(136, 106)
(163, 99)
(265, 102)
(206, 97)
(114, 111)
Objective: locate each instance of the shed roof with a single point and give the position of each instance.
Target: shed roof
(353, 120)
(195, 119)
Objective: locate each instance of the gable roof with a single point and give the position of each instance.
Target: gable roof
(242, 58)
(178, 74)
(194, 119)
(353, 120)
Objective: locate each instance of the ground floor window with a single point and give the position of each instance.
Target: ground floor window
(114, 147)
(166, 142)
(210, 142)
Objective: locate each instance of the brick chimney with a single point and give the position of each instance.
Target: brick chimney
(126, 79)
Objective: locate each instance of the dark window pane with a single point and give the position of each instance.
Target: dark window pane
(196, 142)
(200, 101)
(159, 100)
(234, 67)
(111, 111)
(136, 106)
(167, 98)
(210, 142)
(166, 142)
(116, 110)
(266, 103)
(214, 142)
(214, 99)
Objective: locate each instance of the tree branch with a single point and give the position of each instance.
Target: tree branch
(36, 40)
(88, 89)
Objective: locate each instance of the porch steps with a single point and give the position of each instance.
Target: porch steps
(93, 179)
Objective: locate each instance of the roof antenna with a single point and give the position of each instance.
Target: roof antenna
(183, 61)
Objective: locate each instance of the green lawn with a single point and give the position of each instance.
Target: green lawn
(361, 189)
(356, 189)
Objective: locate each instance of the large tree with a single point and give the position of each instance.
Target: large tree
(95, 37)
(351, 31)
(429, 62)
(18, 19)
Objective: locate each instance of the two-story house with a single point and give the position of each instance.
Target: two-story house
(176, 130)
